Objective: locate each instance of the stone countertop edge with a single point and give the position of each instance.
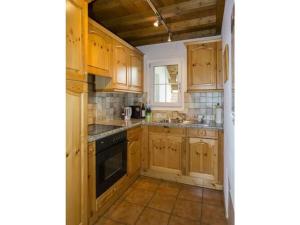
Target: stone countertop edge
(92, 138)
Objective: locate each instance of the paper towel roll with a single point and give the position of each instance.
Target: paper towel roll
(219, 118)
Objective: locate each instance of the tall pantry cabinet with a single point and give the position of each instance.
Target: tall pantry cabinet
(76, 112)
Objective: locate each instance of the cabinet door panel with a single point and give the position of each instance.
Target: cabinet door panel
(73, 162)
(173, 157)
(202, 66)
(136, 73)
(121, 67)
(157, 150)
(75, 39)
(204, 156)
(99, 53)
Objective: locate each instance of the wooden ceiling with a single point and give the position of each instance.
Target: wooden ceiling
(132, 20)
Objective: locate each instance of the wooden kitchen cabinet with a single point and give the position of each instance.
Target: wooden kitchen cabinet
(135, 72)
(202, 66)
(220, 77)
(134, 137)
(173, 153)
(76, 39)
(121, 66)
(203, 158)
(76, 153)
(99, 51)
(165, 147)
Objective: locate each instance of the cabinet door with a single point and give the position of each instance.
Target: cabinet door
(203, 157)
(76, 29)
(157, 150)
(76, 156)
(202, 66)
(136, 72)
(173, 156)
(134, 153)
(99, 53)
(220, 79)
(121, 66)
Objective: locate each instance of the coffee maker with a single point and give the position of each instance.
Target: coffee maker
(136, 111)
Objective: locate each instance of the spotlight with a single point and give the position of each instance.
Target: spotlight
(156, 23)
(169, 38)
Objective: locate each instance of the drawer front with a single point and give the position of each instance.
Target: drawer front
(166, 130)
(134, 134)
(206, 133)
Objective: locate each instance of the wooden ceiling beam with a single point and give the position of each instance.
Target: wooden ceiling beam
(167, 12)
(219, 14)
(193, 29)
(175, 37)
(174, 27)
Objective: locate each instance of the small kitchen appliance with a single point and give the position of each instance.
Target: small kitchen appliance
(136, 111)
(127, 113)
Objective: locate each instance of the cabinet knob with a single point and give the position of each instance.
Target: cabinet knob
(205, 154)
(197, 153)
(67, 154)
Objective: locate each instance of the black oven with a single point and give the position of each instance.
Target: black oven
(111, 159)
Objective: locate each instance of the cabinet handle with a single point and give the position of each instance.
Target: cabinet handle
(67, 154)
(205, 154)
(197, 153)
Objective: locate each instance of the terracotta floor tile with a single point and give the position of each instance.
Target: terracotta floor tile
(153, 217)
(163, 202)
(106, 221)
(139, 196)
(188, 209)
(147, 183)
(213, 197)
(191, 193)
(169, 188)
(126, 213)
(175, 220)
(213, 215)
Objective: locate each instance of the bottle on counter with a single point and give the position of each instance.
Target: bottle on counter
(143, 111)
(148, 113)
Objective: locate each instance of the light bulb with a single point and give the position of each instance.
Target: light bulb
(169, 38)
(156, 23)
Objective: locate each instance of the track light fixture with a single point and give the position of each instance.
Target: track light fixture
(156, 23)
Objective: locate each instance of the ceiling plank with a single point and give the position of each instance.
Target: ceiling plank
(176, 37)
(166, 12)
(219, 14)
(174, 27)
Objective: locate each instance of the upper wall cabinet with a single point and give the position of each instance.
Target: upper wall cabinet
(121, 66)
(135, 72)
(76, 38)
(99, 52)
(203, 66)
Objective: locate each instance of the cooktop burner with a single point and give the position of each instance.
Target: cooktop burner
(100, 128)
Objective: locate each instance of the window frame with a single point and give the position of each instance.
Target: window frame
(153, 64)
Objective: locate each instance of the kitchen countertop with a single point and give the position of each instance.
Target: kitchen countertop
(137, 122)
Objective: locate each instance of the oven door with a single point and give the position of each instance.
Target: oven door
(110, 166)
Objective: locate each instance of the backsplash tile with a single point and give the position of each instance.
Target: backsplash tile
(202, 104)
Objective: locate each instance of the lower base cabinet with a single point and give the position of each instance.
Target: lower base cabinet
(203, 158)
(187, 155)
(165, 152)
(134, 137)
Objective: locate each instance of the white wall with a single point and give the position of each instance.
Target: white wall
(166, 51)
(228, 121)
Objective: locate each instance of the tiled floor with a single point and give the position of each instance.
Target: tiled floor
(155, 202)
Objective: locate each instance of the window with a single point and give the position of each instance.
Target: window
(165, 84)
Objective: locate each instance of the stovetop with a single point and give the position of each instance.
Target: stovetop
(95, 129)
